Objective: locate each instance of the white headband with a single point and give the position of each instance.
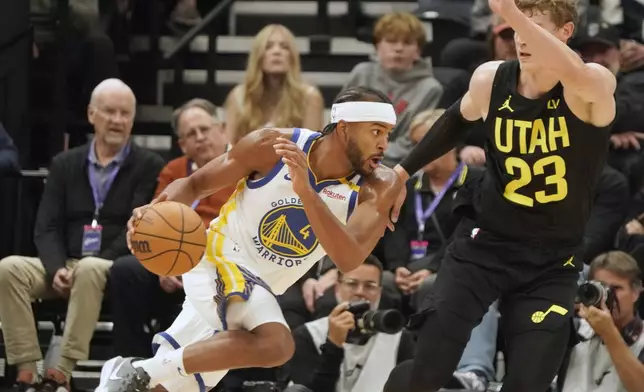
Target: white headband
(363, 112)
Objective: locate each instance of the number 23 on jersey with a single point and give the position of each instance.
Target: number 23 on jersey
(554, 165)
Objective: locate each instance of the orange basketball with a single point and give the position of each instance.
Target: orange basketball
(169, 239)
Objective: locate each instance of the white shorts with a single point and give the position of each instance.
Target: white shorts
(201, 318)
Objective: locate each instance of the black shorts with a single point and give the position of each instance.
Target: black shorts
(536, 284)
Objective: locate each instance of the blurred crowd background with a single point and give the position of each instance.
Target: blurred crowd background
(195, 77)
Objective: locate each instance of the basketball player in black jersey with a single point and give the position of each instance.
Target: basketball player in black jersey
(547, 118)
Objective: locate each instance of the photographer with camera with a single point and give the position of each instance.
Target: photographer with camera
(610, 354)
(355, 348)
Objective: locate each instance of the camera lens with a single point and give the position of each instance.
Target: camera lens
(386, 321)
(590, 294)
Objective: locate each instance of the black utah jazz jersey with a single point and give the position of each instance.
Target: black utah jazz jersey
(542, 165)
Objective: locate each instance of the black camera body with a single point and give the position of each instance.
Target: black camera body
(369, 322)
(593, 293)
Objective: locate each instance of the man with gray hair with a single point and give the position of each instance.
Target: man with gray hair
(80, 228)
(610, 356)
(137, 295)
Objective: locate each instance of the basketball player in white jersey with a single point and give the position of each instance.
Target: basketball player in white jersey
(300, 195)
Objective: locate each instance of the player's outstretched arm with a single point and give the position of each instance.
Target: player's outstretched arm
(591, 83)
(348, 246)
(252, 154)
(454, 125)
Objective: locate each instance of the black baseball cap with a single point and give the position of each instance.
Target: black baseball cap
(599, 34)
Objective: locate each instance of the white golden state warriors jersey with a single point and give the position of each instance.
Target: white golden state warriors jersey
(263, 227)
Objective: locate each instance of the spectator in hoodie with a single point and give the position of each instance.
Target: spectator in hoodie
(399, 72)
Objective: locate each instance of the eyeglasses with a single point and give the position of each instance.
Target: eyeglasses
(114, 113)
(354, 285)
(192, 134)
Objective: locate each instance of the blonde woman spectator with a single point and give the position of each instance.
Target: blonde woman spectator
(273, 92)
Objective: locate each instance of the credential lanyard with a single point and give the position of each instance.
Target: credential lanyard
(100, 195)
(421, 216)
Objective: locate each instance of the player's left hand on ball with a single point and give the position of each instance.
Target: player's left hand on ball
(295, 160)
(600, 320)
(137, 213)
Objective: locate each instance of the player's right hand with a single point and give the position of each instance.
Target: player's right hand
(137, 213)
(340, 323)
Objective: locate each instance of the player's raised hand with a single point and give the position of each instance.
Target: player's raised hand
(502, 7)
(298, 166)
(137, 213)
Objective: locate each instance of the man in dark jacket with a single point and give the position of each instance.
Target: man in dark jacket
(80, 228)
(601, 44)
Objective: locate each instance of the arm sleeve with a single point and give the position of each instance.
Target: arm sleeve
(449, 131)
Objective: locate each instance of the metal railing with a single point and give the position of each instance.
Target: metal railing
(176, 53)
